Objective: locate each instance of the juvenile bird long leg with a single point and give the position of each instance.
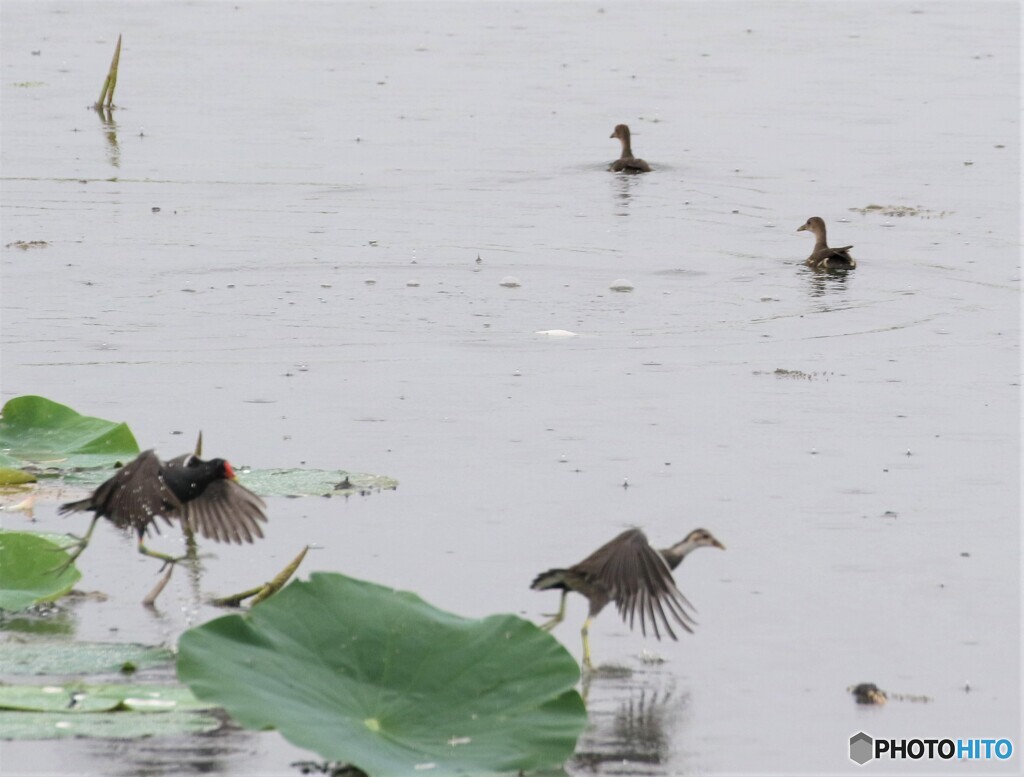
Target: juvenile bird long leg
(557, 617)
(585, 631)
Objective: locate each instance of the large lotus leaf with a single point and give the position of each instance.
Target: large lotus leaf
(382, 680)
(53, 657)
(27, 564)
(35, 431)
(113, 725)
(80, 699)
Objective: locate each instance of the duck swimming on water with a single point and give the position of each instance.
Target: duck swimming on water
(823, 257)
(626, 163)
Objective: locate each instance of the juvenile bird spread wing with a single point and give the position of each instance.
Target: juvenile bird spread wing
(641, 583)
(134, 496)
(226, 512)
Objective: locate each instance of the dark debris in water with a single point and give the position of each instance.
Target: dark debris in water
(24, 245)
(899, 211)
(869, 693)
(781, 372)
(331, 768)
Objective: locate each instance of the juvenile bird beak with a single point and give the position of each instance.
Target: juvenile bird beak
(717, 544)
(612, 135)
(802, 229)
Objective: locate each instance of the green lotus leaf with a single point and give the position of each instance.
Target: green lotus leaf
(113, 725)
(38, 432)
(52, 657)
(27, 564)
(380, 679)
(75, 698)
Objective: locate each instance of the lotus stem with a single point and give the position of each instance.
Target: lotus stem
(278, 582)
(110, 82)
(265, 590)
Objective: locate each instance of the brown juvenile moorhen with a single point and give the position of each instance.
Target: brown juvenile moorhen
(629, 572)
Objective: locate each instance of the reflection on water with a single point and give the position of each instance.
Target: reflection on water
(633, 719)
(825, 283)
(622, 186)
(45, 620)
(219, 752)
(110, 130)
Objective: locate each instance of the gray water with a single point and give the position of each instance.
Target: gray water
(868, 497)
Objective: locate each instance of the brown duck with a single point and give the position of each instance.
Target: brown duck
(629, 572)
(823, 257)
(626, 163)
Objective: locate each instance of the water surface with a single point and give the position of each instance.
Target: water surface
(206, 267)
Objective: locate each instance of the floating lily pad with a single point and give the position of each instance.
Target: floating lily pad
(41, 437)
(70, 658)
(37, 432)
(113, 725)
(77, 699)
(27, 564)
(312, 482)
(379, 678)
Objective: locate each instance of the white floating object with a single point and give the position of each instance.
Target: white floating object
(510, 282)
(621, 284)
(556, 333)
(650, 657)
(151, 704)
(24, 506)
(413, 283)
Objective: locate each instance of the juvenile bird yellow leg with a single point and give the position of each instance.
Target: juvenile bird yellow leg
(558, 617)
(585, 631)
(80, 544)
